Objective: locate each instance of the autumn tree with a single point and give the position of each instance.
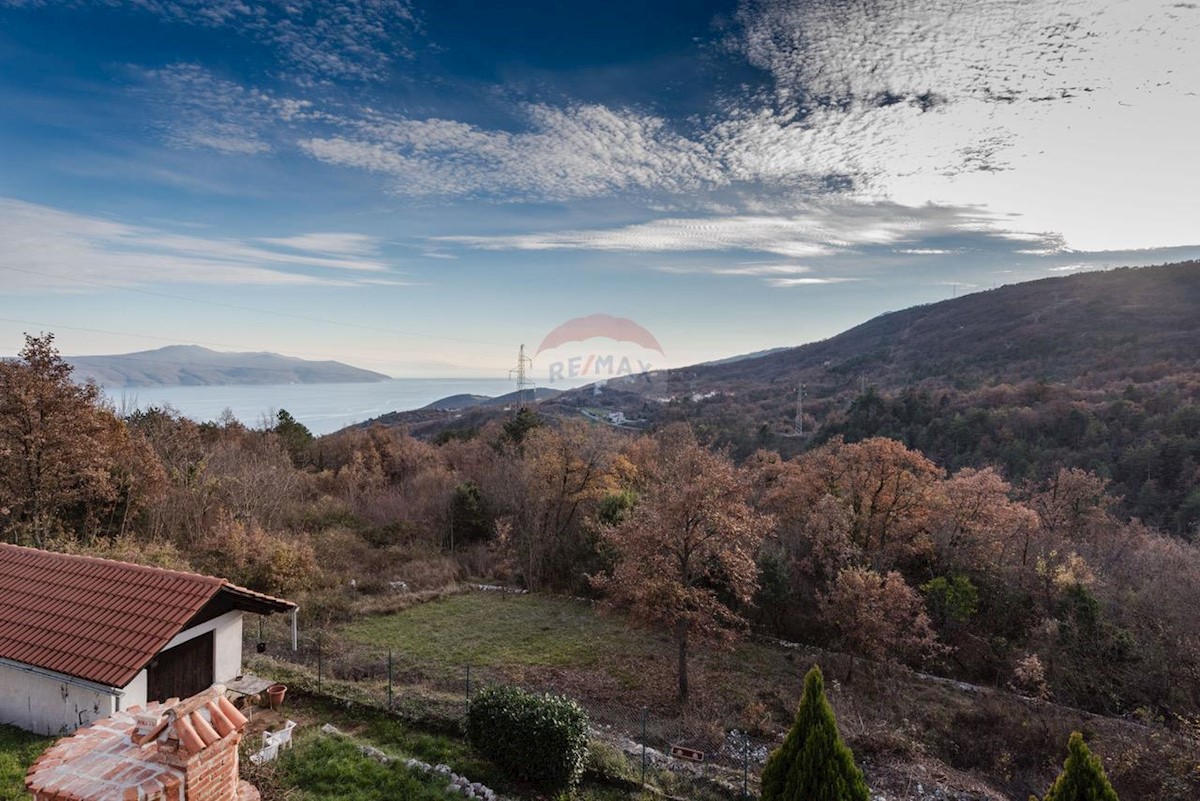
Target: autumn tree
(1082, 777)
(883, 491)
(813, 764)
(1072, 503)
(561, 476)
(67, 464)
(879, 616)
(976, 522)
(685, 554)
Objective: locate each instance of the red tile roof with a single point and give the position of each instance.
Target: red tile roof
(96, 619)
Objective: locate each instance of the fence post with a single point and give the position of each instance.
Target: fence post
(645, 713)
(320, 641)
(389, 678)
(745, 765)
(468, 705)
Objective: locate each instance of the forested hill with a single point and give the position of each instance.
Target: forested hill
(1099, 371)
(1096, 326)
(191, 365)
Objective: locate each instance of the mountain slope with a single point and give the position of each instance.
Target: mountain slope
(1104, 324)
(191, 365)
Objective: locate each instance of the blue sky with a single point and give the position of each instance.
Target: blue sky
(418, 188)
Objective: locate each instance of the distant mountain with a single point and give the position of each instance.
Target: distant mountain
(1106, 325)
(455, 402)
(192, 365)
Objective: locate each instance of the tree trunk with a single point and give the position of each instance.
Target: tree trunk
(681, 637)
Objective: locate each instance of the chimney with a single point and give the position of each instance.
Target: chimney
(166, 752)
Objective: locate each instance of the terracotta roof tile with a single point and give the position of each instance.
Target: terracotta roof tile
(97, 619)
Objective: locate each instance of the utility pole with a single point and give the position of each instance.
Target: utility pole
(521, 372)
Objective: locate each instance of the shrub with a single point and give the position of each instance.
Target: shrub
(541, 739)
(813, 762)
(606, 763)
(1082, 778)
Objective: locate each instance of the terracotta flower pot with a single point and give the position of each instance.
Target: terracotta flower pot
(275, 694)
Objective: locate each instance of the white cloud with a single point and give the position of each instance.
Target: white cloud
(580, 151)
(316, 41)
(50, 249)
(342, 244)
(817, 230)
(791, 282)
(1070, 113)
(199, 110)
(763, 269)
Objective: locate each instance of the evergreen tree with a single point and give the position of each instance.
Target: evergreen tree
(1082, 778)
(813, 764)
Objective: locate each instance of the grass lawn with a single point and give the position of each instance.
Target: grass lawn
(327, 768)
(493, 630)
(18, 749)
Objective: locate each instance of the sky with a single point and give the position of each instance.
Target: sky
(420, 187)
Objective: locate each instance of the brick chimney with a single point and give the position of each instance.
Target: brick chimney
(173, 751)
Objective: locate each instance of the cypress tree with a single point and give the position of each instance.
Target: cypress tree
(1082, 777)
(813, 764)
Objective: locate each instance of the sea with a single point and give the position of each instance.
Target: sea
(323, 408)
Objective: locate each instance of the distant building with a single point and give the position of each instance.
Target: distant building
(82, 638)
(616, 418)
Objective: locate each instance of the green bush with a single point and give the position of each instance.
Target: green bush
(813, 763)
(606, 763)
(541, 739)
(1082, 777)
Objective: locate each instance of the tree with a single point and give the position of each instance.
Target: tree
(521, 423)
(295, 435)
(879, 616)
(1082, 777)
(813, 764)
(65, 460)
(560, 477)
(685, 554)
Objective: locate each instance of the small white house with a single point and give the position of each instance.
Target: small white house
(82, 638)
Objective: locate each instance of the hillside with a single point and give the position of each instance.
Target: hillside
(191, 365)
(1098, 327)
(457, 402)
(1099, 371)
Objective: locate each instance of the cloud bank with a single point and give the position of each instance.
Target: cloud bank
(50, 249)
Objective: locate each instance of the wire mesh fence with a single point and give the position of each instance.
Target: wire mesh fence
(671, 750)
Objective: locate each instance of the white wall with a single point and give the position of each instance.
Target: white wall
(135, 692)
(45, 705)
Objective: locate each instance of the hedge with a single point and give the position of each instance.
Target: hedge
(542, 739)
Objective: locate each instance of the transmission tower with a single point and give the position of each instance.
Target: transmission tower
(800, 410)
(521, 372)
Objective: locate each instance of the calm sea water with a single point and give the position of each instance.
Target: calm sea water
(321, 407)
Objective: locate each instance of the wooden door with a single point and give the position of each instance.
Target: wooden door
(181, 671)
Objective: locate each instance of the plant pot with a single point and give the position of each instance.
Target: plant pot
(275, 694)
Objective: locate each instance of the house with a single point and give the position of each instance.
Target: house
(82, 638)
